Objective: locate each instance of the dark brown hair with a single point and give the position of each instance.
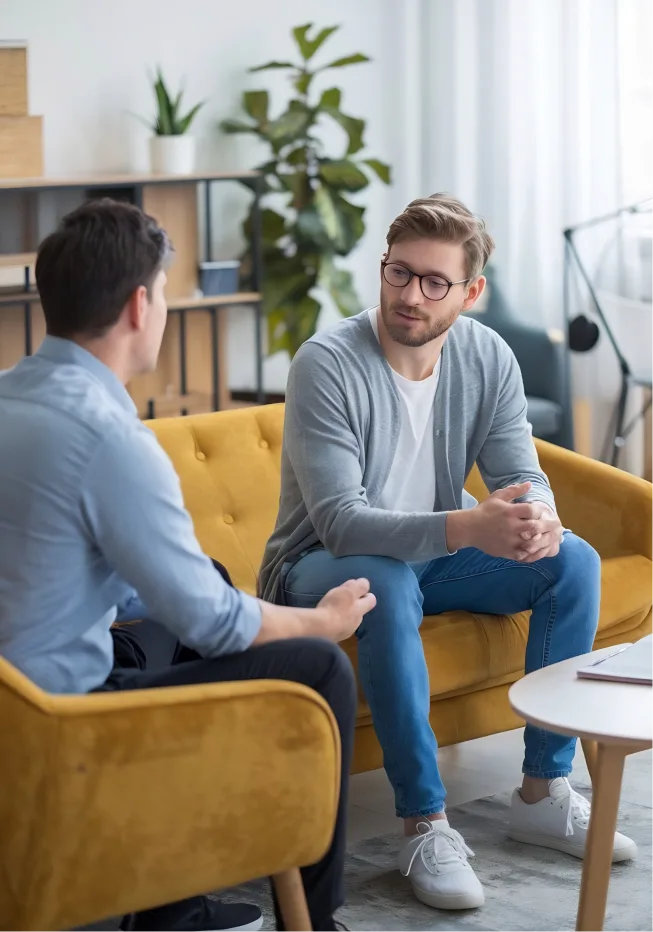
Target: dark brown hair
(94, 261)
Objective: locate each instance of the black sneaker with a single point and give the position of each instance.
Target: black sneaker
(197, 914)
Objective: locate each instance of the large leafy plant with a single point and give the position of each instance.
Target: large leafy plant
(318, 222)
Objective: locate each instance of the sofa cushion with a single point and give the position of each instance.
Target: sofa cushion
(466, 651)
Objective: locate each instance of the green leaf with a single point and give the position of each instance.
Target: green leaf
(185, 122)
(328, 216)
(282, 287)
(297, 156)
(308, 47)
(330, 99)
(303, 81)
(256, 105)
(351, 223)
(278, 337)
(300, 318)
(291, 124)
(379, 168)
(340, 285)
(356, 59)
(237, 126)
(311, 229)
(271, 65)
(352, 126)
(164, 114)
(273, 225)
(314, 44)
(298, 185)
(343, 174)
(176, 104)
(303, 44)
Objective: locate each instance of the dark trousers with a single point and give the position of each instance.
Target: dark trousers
(147, 656)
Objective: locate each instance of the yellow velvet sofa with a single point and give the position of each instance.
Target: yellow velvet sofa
(228, 464)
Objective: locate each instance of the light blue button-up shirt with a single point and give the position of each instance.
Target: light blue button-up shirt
(91, 513)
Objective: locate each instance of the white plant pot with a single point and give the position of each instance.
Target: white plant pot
(172, 155)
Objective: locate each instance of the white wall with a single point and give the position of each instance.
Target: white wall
(88, 63)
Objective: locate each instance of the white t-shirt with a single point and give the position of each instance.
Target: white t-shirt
(411, 482)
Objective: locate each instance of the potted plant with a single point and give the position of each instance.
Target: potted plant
(172, 150)
(319, 222)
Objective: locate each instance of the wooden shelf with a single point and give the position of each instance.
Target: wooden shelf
(15, 298)
(120, 180)
(171, 405)
(174, 304)
(17, 260)
(214, 300)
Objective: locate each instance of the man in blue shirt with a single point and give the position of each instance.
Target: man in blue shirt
(93, 528)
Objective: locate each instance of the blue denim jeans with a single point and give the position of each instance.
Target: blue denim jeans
(563, 593)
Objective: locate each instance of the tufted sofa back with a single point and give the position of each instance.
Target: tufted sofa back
(229, 467)
(228, 464)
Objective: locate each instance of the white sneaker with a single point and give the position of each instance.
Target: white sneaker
(561, 822)
(435, 861)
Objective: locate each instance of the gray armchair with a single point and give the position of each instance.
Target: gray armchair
(543, 359)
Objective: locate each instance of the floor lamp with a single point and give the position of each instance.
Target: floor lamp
(620, 430)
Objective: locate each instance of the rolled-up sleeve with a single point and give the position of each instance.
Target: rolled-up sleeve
(134, 512)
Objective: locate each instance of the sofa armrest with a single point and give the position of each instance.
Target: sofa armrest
(609, 508)
(151, 796)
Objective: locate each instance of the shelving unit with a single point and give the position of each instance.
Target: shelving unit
(193, 354)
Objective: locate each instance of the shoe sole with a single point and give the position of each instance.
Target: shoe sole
(449, 901)
(253, 926)
(559, 844)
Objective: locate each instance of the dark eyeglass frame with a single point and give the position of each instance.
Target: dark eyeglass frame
(384, 264)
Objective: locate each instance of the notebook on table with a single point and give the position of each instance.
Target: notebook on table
(631, 663)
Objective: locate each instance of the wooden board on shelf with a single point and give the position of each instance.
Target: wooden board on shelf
(12, 333)
(13, 80)
(17, 260)
(174, 206)
(21, 145)
(119, 179)
(215, 300)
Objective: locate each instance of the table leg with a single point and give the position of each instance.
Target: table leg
(590, 750)
(609, 770)
(292, 900)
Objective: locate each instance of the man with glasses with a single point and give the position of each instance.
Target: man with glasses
(386, 414)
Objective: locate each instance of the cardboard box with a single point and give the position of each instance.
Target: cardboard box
(21, 146)
(13, 80)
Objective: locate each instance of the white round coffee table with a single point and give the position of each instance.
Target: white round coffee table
(613, 720)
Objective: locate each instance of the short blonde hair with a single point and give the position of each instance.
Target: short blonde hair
(444, 217)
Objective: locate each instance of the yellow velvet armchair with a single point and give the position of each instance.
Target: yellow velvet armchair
(116, 802)
(111, 803)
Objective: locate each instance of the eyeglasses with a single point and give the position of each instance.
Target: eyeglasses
(433, 287)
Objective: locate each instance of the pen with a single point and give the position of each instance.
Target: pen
(610, 656)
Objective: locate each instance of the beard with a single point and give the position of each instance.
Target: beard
(400, 335)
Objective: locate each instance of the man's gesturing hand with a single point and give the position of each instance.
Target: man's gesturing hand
(342, 609)
(501, 527)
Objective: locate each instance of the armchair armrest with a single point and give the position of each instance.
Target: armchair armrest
(609, 508)
(150, 796)
(540, 354)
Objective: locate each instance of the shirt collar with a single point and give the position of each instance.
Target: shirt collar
(61, 352)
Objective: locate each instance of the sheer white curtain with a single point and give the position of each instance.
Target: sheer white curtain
(520, 120)
(537, 113)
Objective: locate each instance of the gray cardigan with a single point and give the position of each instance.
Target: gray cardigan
(341, 431)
